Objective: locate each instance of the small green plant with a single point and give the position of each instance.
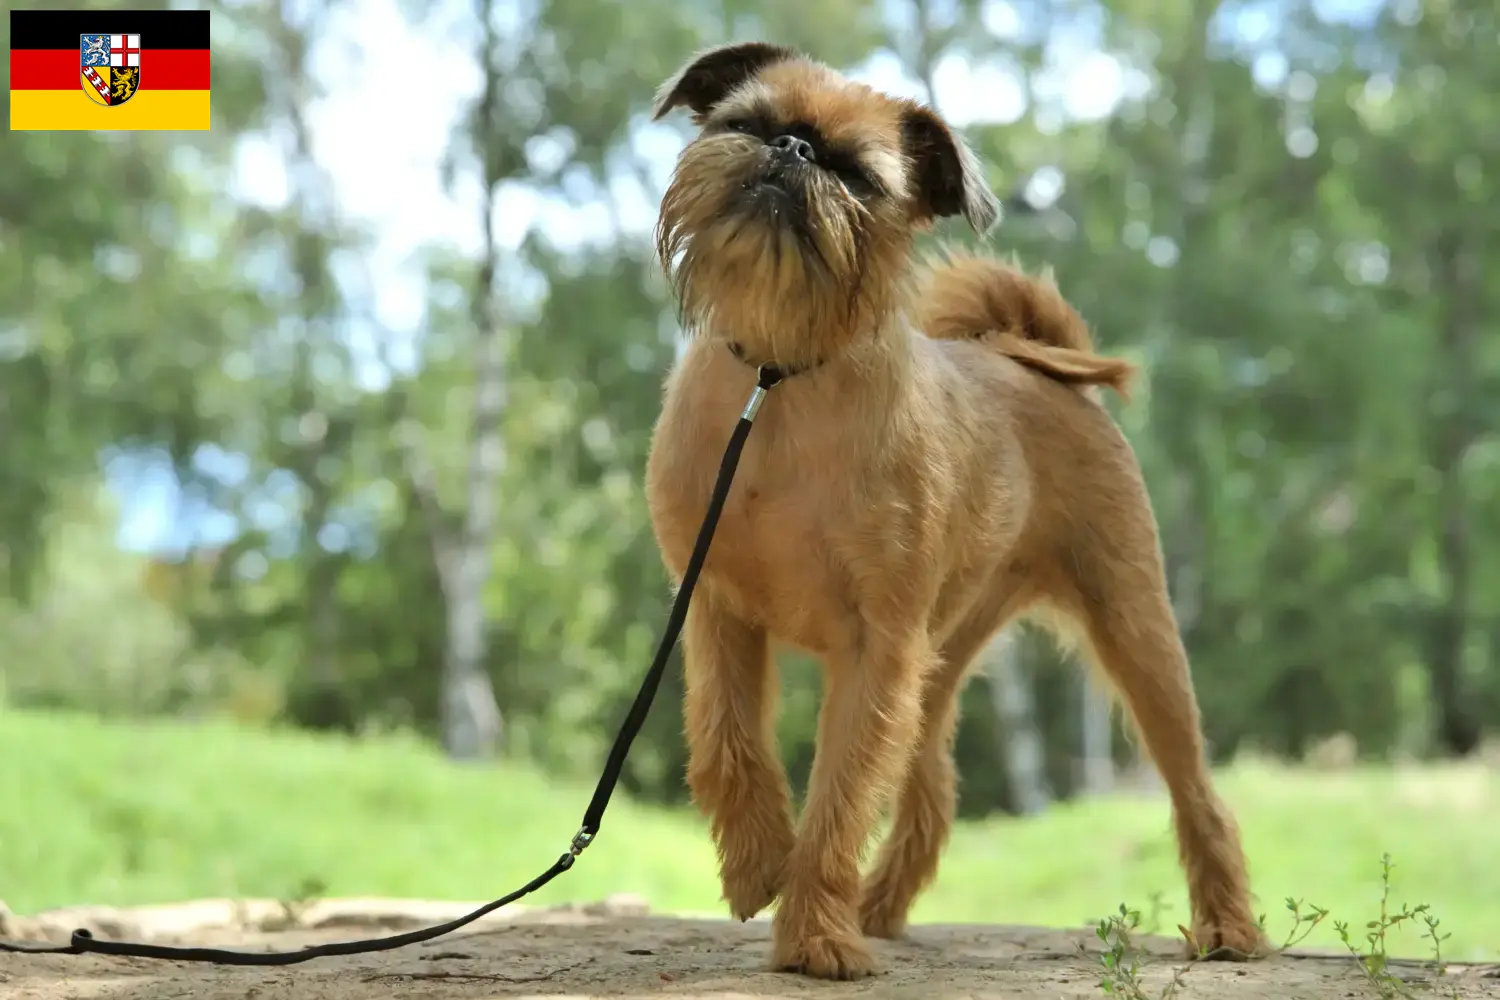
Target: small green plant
(1374, 958)
(1121, 959)
(1305, 919)
(1438, 966)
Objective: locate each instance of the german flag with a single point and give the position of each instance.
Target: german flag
(108, 70)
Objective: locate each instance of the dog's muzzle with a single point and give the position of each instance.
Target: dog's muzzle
(780, 185)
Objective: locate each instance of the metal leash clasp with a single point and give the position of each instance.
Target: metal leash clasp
(753, 406)
(766, 377)
(581, 839)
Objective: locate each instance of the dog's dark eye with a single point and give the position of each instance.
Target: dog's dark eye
(858, 184)
(745, 125)
(848, 170)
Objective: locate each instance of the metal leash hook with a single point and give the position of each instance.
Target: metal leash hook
(767, 378)
(582, 839)
(83, 941)
(753, 406)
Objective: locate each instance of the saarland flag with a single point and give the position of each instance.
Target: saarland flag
(108, 70)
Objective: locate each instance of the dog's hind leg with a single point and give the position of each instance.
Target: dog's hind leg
(923, 813)
(1120, 599)
(928, 797)
(734, 771)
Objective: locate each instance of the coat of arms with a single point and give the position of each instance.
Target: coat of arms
(111, 66)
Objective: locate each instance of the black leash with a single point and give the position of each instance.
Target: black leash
(84, 943)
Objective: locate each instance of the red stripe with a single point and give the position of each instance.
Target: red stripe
(60, 69)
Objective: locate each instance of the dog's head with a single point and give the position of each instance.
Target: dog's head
(789, 218)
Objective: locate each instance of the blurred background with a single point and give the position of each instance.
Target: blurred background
(324, 565)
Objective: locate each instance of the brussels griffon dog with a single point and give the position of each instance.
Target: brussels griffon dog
(935, 463)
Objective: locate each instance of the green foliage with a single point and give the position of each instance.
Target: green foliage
(1374, 958)
(1121, 961)
(1316, 425)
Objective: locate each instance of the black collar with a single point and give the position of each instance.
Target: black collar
(771, 373)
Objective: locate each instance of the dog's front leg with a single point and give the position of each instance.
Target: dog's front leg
(870, 716)
(734, 770)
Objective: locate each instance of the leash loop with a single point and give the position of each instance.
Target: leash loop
(768, 376)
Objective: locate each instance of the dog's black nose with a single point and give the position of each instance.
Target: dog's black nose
(793, 146)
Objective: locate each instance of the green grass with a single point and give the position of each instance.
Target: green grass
(96, 812)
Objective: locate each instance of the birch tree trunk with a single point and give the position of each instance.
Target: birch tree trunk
(1098, 736)
(472, 724)
(1015, 709)
(321, 432)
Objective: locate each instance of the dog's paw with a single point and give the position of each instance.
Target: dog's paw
(751, 877)
(1227, 941)
(752, 890)
(822, 954)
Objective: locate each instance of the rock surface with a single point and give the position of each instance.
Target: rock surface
(614, 949)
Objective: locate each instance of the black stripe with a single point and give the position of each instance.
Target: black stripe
(59, 29)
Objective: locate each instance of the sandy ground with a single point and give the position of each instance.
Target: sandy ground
(617, 949)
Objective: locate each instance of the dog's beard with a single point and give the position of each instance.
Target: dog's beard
(773, 254)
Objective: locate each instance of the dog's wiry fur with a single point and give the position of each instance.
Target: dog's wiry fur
(1026, 319)
(940, 468)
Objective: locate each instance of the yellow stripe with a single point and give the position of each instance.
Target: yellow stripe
(149, 110)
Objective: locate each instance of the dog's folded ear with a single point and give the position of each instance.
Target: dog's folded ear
(713, 73)
(948, 177)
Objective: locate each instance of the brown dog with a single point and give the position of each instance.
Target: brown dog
(934, 465)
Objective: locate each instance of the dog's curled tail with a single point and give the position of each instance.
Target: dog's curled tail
(1026, 318)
